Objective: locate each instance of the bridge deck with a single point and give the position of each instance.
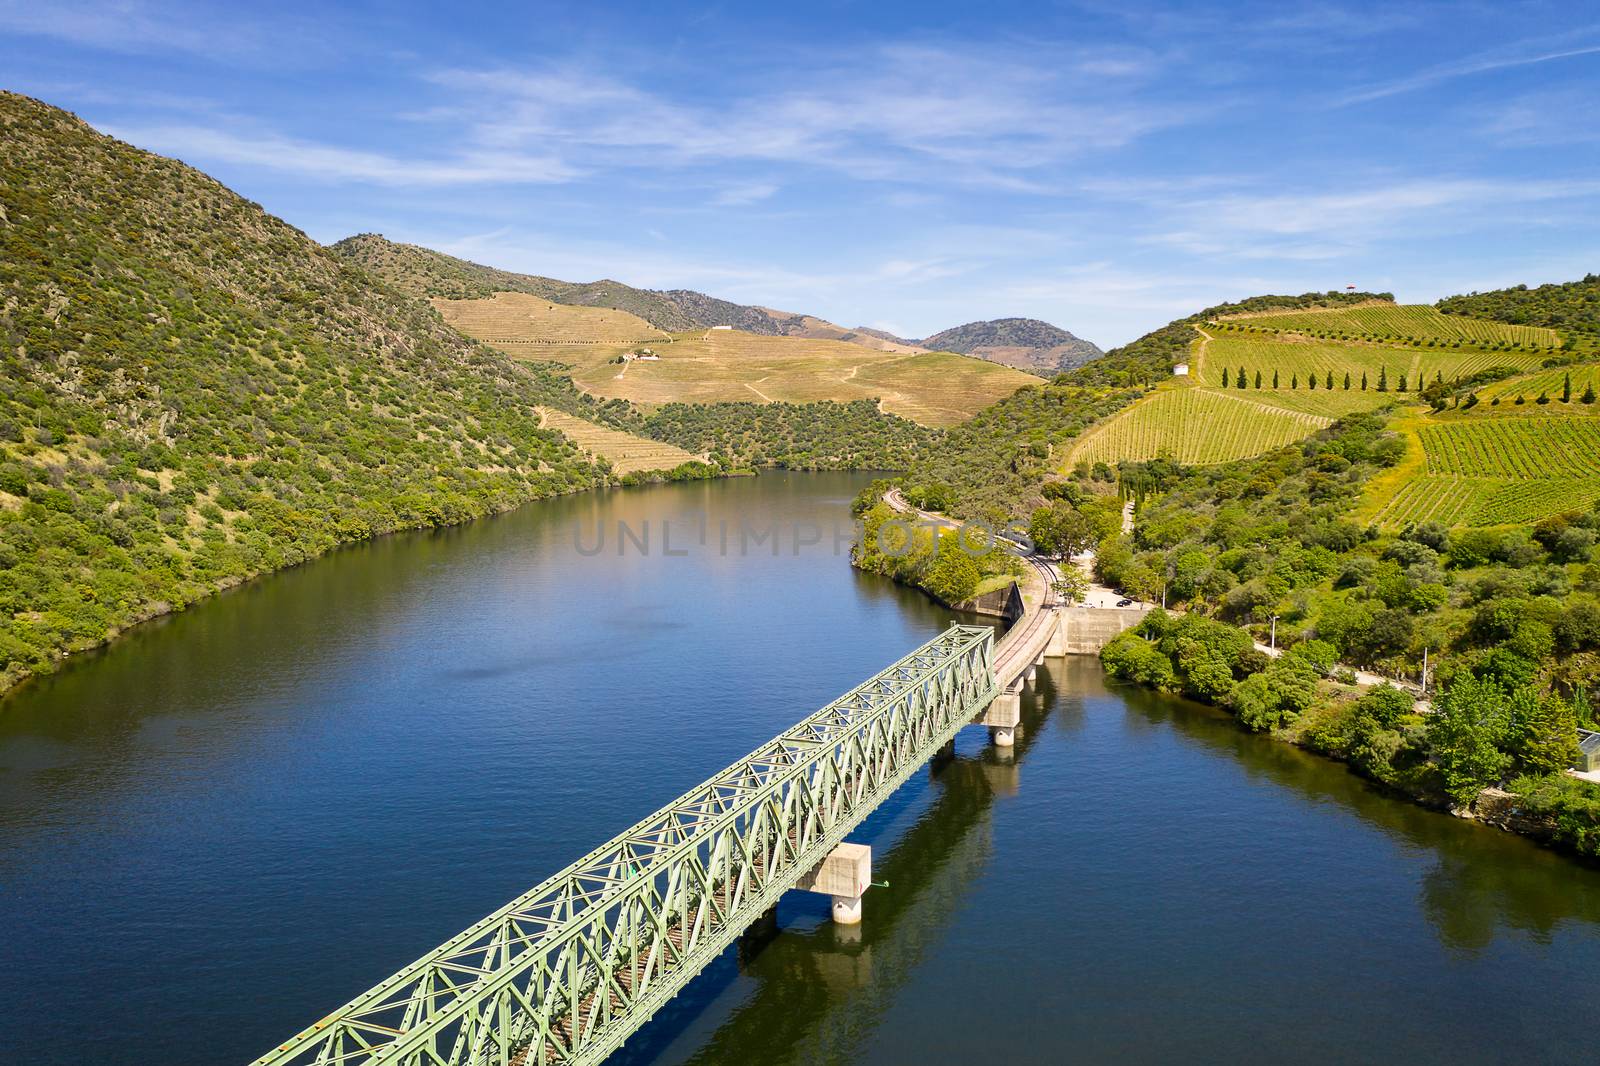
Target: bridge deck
(568, 971)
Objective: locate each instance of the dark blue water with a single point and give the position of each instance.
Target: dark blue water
(229, 823)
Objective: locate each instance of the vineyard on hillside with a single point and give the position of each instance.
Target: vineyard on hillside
(1196, 425)
(626, 452)
(1548, 382)
(1513, 448)
(1467, 471)
(1455, 501)
(1401, 324)
(1294, 358)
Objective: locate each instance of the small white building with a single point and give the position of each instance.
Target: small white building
(721, 327)
(1181, 370)
(648, 357)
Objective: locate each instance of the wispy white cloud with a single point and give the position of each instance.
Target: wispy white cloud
(980, 119)
(135, 27)
(742, 194)
(1309, 225)
(1521, 55)
(329, 163)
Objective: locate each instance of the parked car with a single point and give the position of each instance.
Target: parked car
(1124, 603)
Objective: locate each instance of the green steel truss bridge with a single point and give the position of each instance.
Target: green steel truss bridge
(571, 969)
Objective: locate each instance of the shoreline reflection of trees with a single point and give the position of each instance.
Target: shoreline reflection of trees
(1483, 880)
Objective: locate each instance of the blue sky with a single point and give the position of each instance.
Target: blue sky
(1107, 166)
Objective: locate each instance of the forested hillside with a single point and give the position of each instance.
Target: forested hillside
(1571, 305)
(195, 392)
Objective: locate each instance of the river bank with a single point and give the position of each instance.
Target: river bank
(1380, 734)
(16, 675)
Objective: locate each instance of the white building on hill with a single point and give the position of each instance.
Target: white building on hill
(1181, 370)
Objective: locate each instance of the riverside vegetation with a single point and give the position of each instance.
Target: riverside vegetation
(1506, 611)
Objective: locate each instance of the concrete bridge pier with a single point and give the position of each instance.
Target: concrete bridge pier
(1003, 716)
(845, 875)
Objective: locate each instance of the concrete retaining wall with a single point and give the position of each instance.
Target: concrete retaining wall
(1085, 630)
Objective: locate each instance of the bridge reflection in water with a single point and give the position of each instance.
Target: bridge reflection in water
(571, 969)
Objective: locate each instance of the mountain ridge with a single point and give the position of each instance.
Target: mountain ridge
(1023, 343)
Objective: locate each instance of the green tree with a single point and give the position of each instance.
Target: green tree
(1544, 732)
(1275, 379)
(1224, 377)
(1566, 388)
(1258, 379)
(1402, 387)
(953, 576)
(1588, 394)
(1294, 381)
(1363, 381)
(1330, 380)
(1073, 585)
(1241, 379)
(1347, 381)
(1465, 735)
(1383, 379)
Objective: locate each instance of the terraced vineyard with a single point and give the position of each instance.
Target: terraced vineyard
(526, 325)
(1453, 501)
(1549, 382)
(1193, 425)
(1523, 448)
(1471, 471)
(1401, 323)
(1292, 357)
(715, 366)
(626, 453)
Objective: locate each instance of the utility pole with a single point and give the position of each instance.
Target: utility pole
(1274, 632)
(1425, 671)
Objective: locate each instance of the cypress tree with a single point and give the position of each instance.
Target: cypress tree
(1244, 382)
(1224, 377)
(1330, 380)
(1402, 383)
(1274, 379)
(1363, 381)
(1258, 379)
(1294, 381)
(1566, 389)
(1347, 381)
(1588, 395)
(1311, 381)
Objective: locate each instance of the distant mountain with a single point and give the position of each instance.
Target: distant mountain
(427, 273)
(1025, 343)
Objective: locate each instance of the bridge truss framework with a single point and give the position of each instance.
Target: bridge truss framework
(571, 969)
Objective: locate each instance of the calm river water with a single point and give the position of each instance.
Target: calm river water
(231, 822)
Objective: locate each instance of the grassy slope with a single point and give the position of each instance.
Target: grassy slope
(195, 392)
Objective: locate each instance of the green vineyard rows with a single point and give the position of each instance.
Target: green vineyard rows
(1194, 425)
(1391, 322)
(1548, 382)
(1291, 358)
(1454, 501)
(1522, 448)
